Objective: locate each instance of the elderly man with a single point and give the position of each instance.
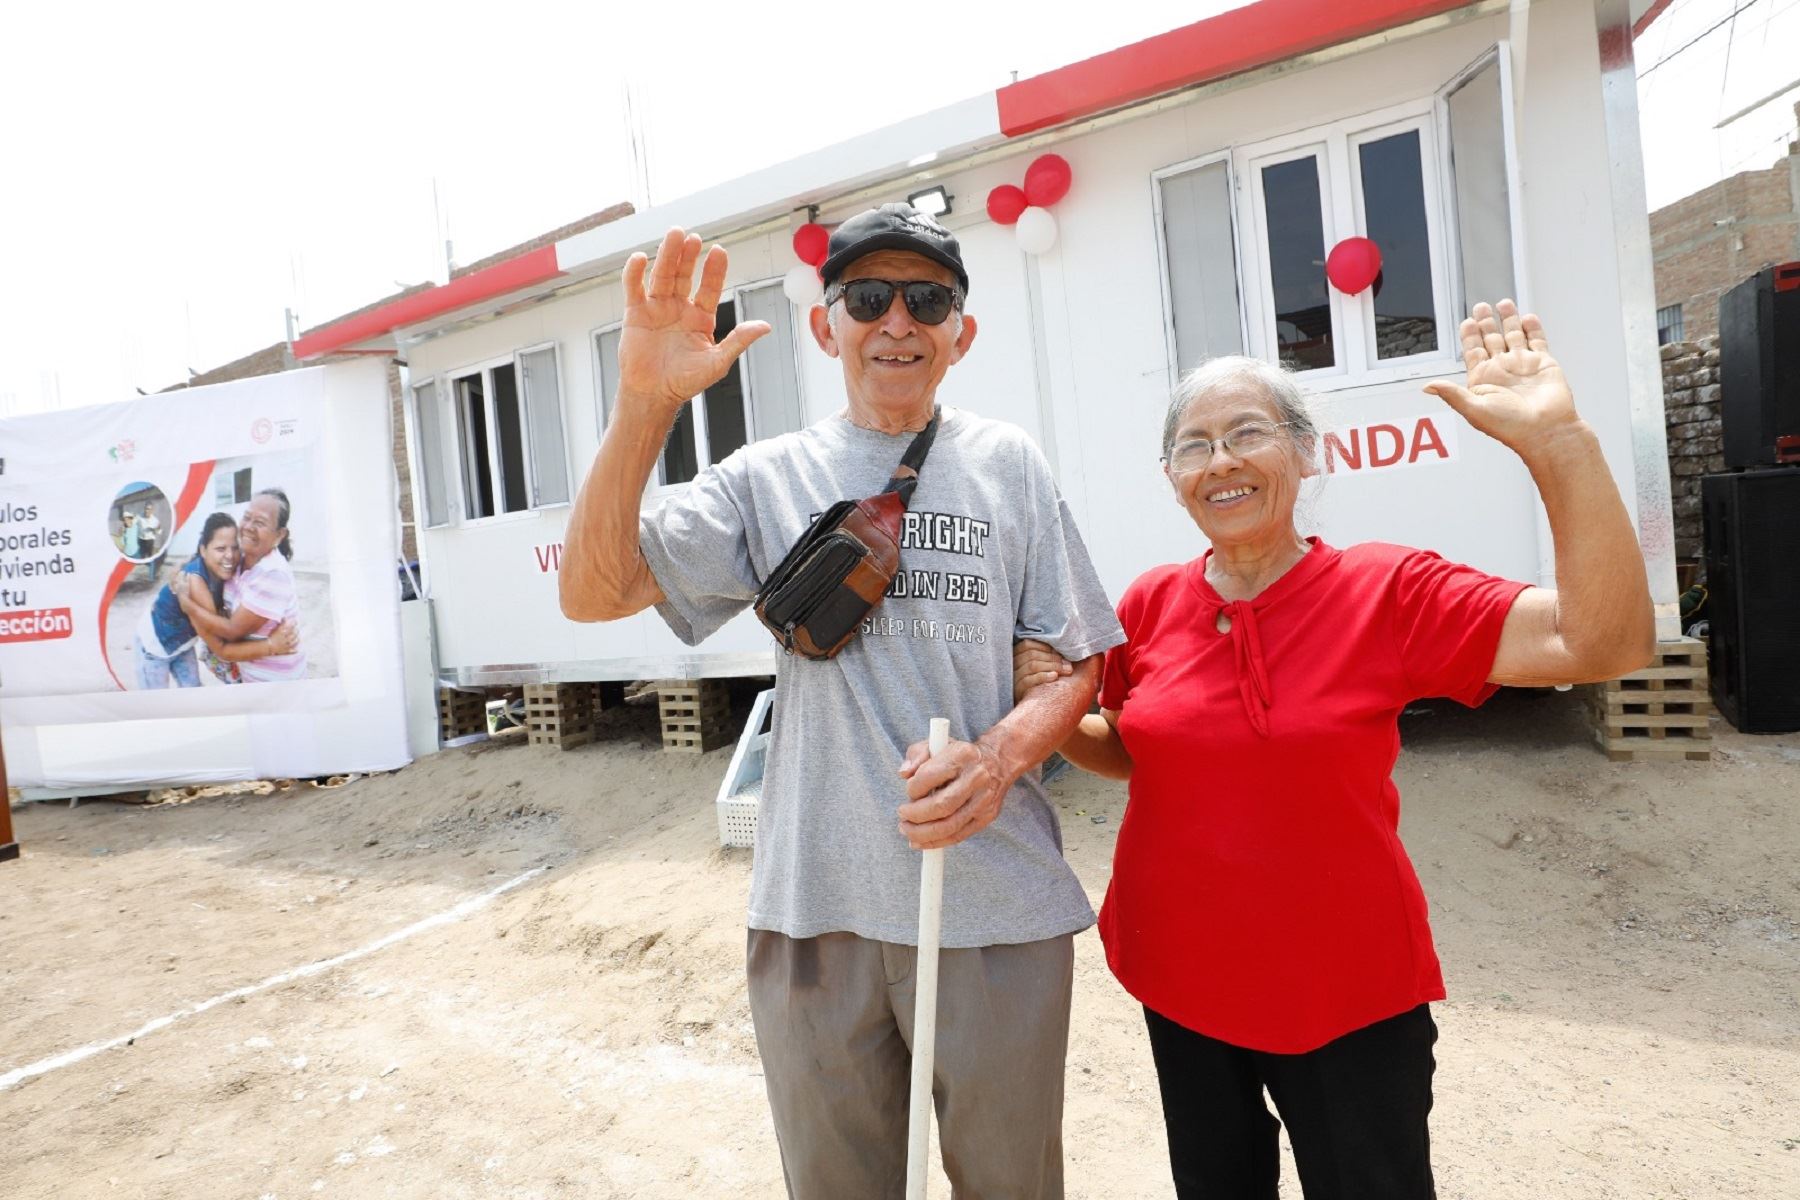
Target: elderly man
(989, 553)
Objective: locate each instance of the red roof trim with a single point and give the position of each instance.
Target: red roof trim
(510, 276)
(1650, 14)
(1232, 42)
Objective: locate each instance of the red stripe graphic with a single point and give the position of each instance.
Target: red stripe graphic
(185, 504)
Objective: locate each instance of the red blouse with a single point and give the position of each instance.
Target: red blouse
(1260, 894)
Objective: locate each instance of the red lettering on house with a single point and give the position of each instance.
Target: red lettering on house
(1389, 444)
(1425, 437)
(1377, 458)
(1335, 449)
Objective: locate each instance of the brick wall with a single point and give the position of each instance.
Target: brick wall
(1707, 243)
(1691, 408)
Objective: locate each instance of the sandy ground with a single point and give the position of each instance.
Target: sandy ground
(318, 635)
(1619, 940)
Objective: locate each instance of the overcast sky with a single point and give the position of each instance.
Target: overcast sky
(179, 174)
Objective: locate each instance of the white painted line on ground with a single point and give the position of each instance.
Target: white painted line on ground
(448, 916)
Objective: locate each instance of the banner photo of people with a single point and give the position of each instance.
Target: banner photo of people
(167, 557)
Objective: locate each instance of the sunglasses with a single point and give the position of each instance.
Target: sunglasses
(868, 299)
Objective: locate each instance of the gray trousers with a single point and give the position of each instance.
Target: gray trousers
(834, 1023)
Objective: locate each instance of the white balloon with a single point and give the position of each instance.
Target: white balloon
(801, 285)
(1036, 230)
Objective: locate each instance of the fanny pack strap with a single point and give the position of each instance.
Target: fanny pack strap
(906, 475)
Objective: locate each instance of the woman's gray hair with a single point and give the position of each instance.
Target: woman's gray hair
(1236, 371)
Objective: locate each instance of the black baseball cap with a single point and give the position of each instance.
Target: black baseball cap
(894, 226)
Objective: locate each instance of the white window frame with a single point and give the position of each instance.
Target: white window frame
(1263, 338)
(446, 388)
(1437, 244)
(415, 458)
(656, 488)
(601, 402)
(1162, 250)
(562, 415)
(1340, 196)
(1499, 56)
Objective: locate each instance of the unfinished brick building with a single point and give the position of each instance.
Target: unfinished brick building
(1710, 241)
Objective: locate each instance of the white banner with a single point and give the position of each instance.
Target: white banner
(165, 556)
(281, 663)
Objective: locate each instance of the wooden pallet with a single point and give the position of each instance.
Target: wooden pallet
(461, 713)
(695, 714)
(560, 714)
(1660, 713)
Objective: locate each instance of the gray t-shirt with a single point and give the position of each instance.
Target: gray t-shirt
(990, 553)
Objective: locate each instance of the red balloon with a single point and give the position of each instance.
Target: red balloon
(1047, 180)
(812, 243)
(1353, 264)
(1005, 203)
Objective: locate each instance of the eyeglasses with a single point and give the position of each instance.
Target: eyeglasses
(1248, 438)
(869, 299)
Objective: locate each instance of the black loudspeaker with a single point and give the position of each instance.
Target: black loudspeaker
(1759, 368)
(1752, 533)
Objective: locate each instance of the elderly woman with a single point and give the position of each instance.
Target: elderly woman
(261, 595)
(1261, 905)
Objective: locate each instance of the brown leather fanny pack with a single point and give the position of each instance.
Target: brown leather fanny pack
(817, 596)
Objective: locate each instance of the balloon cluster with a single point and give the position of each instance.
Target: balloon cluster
(803, 284)
(1027, 209)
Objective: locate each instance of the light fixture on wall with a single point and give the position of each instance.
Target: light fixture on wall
(933, 201)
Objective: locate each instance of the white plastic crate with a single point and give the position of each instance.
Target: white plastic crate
(737, 816)
(741, 789)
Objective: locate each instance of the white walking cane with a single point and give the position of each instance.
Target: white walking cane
(931, 916)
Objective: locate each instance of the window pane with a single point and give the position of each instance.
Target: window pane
(543, 412)
(775, 406)
(242, 489)
(725, 429)
(679, 461)
(1393, 188)
(429, 425)
(1291, 206)
(1203, 286)
(1483, 209)
(607, 343)
(472, 440)
(1668, 325)
(507, 419)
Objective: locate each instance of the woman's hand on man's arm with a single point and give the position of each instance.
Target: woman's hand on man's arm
(957, 793)
(1094, 745)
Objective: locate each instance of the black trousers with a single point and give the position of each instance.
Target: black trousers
(1355, 1110)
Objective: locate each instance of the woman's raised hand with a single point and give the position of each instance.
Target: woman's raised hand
(667, 355)
(1516, 392)
(1035, 663)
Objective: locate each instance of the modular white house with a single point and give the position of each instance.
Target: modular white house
(1489, 149)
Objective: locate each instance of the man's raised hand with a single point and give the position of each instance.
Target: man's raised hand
(667, 355)
(1516, 392)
